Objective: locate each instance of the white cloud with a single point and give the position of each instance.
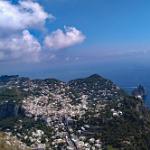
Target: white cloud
(24, 47)
(22, 16)
(17, 43)
(59, 39)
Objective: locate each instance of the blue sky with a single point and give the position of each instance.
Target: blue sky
(104, 21)
(67, 37)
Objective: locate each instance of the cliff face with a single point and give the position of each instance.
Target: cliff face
(9, 109)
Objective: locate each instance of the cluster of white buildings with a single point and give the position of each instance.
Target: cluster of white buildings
(58, 105)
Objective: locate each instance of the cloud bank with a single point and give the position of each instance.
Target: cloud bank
(23, 46)
(16, 39)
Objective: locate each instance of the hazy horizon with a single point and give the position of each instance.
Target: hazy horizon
(68, 39)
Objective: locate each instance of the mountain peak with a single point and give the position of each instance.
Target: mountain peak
(95, 76)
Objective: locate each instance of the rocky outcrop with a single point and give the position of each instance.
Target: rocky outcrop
(9, 109)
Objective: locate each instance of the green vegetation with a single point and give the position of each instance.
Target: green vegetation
(130, 131)
(111, 148)
(12, 94)
(25, 126)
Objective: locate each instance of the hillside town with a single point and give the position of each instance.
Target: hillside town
(53, 115)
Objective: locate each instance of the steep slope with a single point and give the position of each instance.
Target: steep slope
(8, 142)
